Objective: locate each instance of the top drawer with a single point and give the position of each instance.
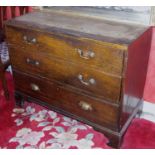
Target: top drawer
(105, 56)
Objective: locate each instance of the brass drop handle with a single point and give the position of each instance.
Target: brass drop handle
(86, 54)
(29, 40)
(34, 87)
(32, 62)
(85, 106)
(91, 81)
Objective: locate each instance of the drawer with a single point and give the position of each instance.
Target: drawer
(86, 79)
(67, 100)
(106, 56)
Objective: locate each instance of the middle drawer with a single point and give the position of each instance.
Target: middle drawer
(86, 79)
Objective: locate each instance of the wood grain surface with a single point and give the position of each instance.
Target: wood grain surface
(67, 100)
(104, 86)
(61, 22)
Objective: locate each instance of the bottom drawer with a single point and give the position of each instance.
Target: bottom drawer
(85, 107)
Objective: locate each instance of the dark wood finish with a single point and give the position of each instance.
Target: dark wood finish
(1, 35)
(61, 97)
(103, 86)
(78, 25)
(19, 99)
(47, 63)
(135, 74)
(107, 57)
(3, 67)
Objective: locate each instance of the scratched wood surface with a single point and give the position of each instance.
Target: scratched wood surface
(112, 31)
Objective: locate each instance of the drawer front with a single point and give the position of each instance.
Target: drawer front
(86, 79)
(67, 100)
(106, 56)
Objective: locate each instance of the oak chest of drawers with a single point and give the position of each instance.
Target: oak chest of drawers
(88, 68)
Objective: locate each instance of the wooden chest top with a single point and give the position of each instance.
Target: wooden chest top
(71, 24)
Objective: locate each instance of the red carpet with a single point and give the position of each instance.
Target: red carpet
(36, 127)
(140, 135)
